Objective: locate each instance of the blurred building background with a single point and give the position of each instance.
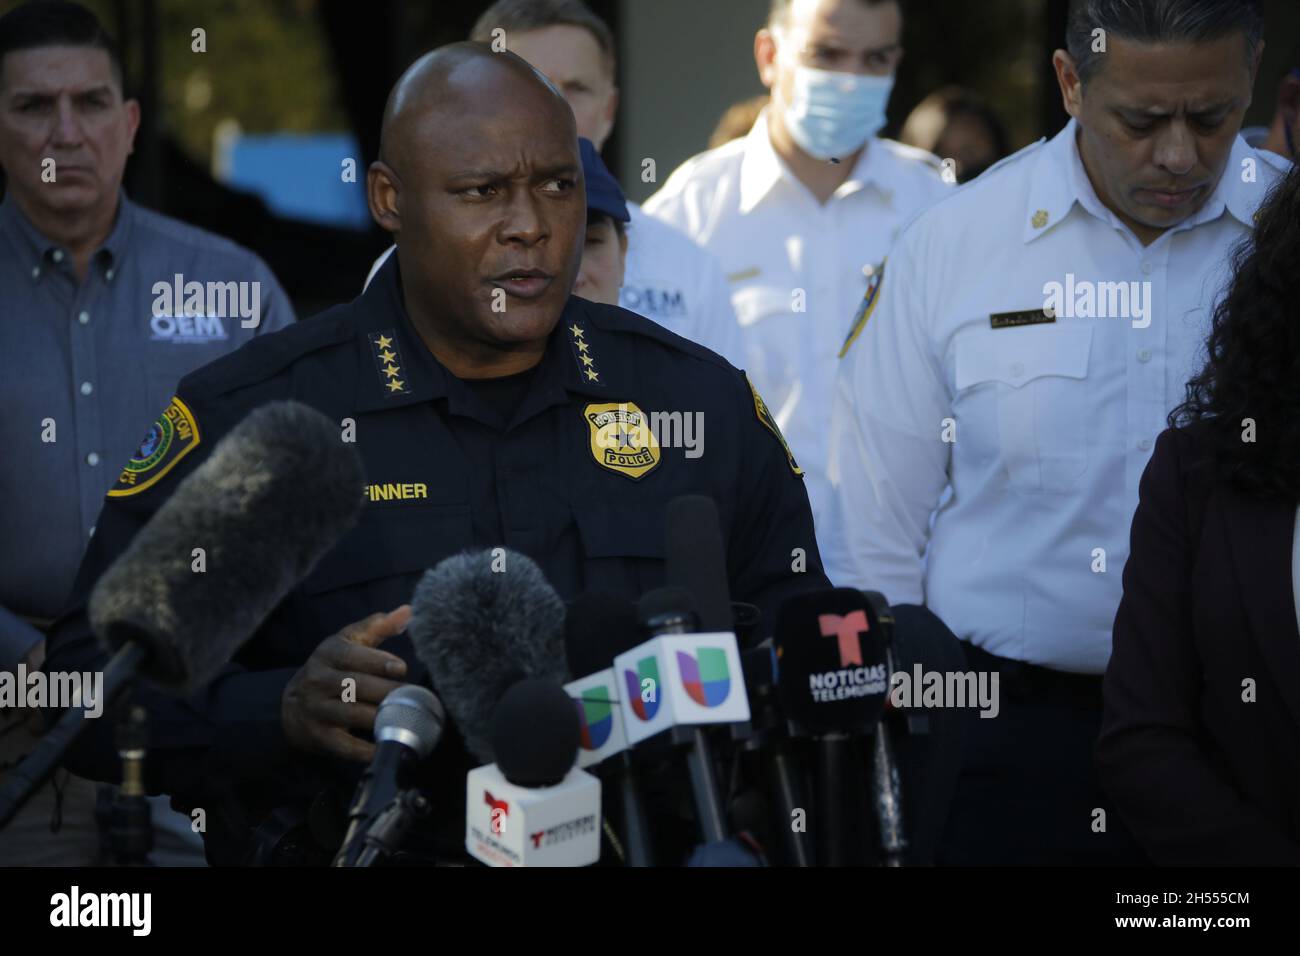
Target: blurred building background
(251, 137)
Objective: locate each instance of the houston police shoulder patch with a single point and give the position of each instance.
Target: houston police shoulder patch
(621, 438)
(173, 436)
(765, 417)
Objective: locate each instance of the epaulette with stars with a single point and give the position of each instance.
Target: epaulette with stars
(582, 355)
(388, 359)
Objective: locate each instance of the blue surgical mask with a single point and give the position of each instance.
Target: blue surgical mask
(831, 114)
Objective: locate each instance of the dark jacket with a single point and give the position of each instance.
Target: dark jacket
(590, 517)
(1200, 743)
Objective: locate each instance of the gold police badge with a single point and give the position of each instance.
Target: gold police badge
(173, 436)
(621, 438)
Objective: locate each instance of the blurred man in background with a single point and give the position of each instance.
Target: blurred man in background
(1034, 330)
(1283, 131)
(954, 123)
(803, 210)
(666, 277)
(88, 351)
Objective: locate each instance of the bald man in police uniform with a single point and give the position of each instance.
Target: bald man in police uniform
(476, 383)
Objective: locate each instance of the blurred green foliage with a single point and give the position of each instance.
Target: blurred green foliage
(267, 65)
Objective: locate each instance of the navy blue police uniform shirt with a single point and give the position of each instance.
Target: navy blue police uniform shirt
(569, 481)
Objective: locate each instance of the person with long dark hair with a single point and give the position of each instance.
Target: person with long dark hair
(1200, 741)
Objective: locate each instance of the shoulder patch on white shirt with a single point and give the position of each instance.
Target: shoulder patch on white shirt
(865, 307)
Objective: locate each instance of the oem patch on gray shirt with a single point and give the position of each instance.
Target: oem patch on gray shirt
(86, 367)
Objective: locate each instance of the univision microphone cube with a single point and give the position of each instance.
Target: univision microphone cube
(510, 825)
(681, 679)
(599, 716)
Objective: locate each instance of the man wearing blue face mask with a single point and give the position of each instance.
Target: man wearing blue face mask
(802, 211)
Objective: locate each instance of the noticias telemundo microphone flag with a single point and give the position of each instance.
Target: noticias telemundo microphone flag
(833, 660)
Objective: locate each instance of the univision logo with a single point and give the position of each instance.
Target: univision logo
(646, 705)
(595, 717)
(707, 679)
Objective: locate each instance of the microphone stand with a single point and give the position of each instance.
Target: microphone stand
(130, 828)
(830, 788)
(385, 834)
(36, 768)
(767, 730)
(636, 829)
(888, 799)
(699, 755)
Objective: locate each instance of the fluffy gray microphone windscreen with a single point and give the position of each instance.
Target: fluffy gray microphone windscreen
(480, 622)
(275, 495)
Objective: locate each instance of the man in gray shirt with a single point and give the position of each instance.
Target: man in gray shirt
(104, 306)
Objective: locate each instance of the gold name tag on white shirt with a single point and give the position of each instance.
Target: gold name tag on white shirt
(1010, 320)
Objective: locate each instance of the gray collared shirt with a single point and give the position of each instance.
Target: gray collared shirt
(85, 367)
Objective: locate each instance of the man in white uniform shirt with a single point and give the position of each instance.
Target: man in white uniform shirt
(666, 278)
(1032, 333)
(803, 210)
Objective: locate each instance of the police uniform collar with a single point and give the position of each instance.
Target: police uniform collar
(395, 367)
(761, 168)
(584, 351)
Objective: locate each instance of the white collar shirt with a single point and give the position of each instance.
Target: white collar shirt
(673, 281)
(796, 266)
(989, 467)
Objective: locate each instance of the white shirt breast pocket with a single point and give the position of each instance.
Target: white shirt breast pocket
(1038, 377)
(772, 340)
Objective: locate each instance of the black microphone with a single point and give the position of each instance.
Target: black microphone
(764, 743)
(833, 683)
(408, 725)
(600, 626)
(695, 559)
(480, 622)
(533, 807)
(273, 497)
(534, 733)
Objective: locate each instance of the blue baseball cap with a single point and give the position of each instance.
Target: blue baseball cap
(603, 192)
